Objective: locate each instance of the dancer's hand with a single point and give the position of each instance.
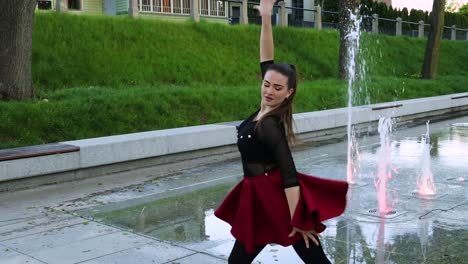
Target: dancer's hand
(306, 235)
(265, 7)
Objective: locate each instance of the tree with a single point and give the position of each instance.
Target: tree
(464, 10)
(16, 24)
(347, 8)
(453, 6)
(431, 58)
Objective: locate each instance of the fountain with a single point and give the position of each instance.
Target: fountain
(384, 173)
(356, 74)
(425, 180)
(353, 39)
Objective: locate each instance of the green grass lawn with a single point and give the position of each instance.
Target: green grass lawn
(101, 76)
(71, 51)
(86, 112)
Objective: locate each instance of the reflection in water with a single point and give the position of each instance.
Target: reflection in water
(424, 236)
(445, 246)
(459, 132)
(215, 228)
(364, 242)
(434, 142)
(180, 218)
(380, 254)
(452, 150)
(361, 242)
(141, 224)
(343, 251)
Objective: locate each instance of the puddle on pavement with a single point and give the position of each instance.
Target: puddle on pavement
(183, 218)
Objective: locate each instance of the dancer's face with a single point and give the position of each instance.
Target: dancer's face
(274, 89)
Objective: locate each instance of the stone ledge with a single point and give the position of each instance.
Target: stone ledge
(114, 149)
(35, 166)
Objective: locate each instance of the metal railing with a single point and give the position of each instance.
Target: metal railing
(291, 16)
(295, 16)
(212, 8)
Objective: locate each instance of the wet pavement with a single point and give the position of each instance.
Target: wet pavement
(170, 219)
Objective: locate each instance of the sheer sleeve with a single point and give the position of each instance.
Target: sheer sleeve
(272, 134)
(264, 65)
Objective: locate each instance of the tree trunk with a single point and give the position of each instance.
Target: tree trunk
(432, 55)
(346, 27)
(16, 24)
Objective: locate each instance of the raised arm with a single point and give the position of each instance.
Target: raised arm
(266, 35)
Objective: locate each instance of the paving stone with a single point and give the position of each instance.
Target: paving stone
(154, 253)
(8, 256)
(90, 248)
(26, 228)
(60, 236)
(198, 258)
(35, 226)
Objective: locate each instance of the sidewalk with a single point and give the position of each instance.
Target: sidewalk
(38, 226)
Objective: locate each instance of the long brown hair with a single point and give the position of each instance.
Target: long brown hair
(284, 111)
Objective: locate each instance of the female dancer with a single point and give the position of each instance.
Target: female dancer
(274, 203)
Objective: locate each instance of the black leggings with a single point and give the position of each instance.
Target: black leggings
(312, 255)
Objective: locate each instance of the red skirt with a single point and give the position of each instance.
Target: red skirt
(258, 211)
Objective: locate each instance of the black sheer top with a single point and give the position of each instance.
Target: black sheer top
(266, 147)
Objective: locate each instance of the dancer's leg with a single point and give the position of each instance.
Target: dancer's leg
(240, 256)
(312, 255)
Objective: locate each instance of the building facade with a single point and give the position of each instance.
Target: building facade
(167, 9)
(298, 11)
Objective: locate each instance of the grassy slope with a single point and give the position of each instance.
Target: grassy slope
(70, 51)
(145, 75)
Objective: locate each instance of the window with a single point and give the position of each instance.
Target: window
(212, 8)
(177, 7)
(166, 5)
(74, 4)
(44, 4)
(298, 13)
(145, 5)
(156, 5)
(186, 6)
(203, 7)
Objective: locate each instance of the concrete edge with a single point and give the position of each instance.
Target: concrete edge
(105, 151)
